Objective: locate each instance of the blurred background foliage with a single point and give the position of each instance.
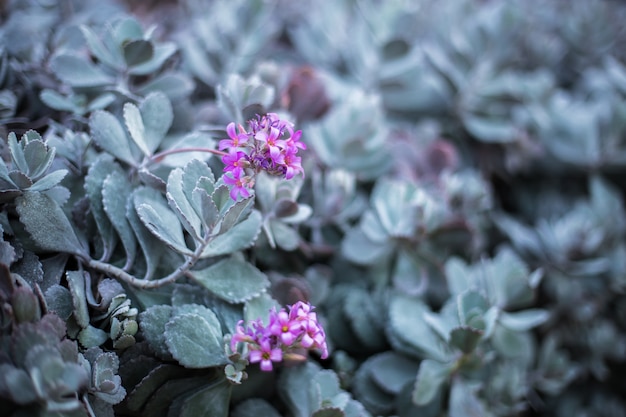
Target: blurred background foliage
(460, 227)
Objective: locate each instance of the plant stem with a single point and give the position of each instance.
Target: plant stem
(159, 156)
(120, 274)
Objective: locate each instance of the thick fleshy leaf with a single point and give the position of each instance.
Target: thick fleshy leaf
(465, 338)
(78, 72)
(98, 171)
(59, 300)
(134, 124)
(194, 342)
(137, 52)
(464, 401)
(116, 191)
(392, 371)
(213, 400)
(233, 280)
(430, 378)
(152, 324)
(406, 319)
(160, 54)
(92, 337)
(151, 248)
(76, 284)
(48, 181)
(47, 224)
(157, 115)
(160, 220)
(110, 57)
(255, 407)
(109, 134)
(259, 308)
(524, 320)
(180, 204)
(239, 237)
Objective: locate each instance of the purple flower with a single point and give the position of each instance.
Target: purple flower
(234, 159)
(291, 163)
(235, 140)
(270, 145)
(284, 328)
(266, 354)
(294, 140)
(241, 335)
(238, 182)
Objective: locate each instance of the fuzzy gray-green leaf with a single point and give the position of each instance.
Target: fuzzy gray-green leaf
(181, 205)
(116, 191)
(194, 342)
(239, 237)
(47, 224)
(109, 134)
(78, 71)
(233, 280)
(160, 220)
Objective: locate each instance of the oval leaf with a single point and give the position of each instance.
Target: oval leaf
(194, 342)
(232, 280)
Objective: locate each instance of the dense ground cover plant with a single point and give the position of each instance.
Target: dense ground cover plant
(312, 209)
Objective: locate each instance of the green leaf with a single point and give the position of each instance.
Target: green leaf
(116, 191)
(151, 248)
(194, 342)
(259, 308)
(285, 236)
(255, 407)
(100, 50)
(17, 153)
(465, 338)
(430, 378)
(59, 300)
(180, 204)
(160, 54)
(175, 85)
(94, 181)
(76, 71)
(76, 284)
(137, 52)
(160, 220)
(109, 134)
(392, 371)
(92, 337)
(524, 320)
(233, 280)
(49, 181)
(57, 101)
(134, 124)
(157, 115)
(213, 400)
(47, 224)
(38, 158)
(240, 237)
(290, 385)
(490, 130)
(464, 401)
(328, 412)
(152, 324)
(406, 320)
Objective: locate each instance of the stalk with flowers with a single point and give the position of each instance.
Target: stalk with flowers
(286, 334)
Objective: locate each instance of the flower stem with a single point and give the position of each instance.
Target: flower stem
(119, 273)
(159, 156)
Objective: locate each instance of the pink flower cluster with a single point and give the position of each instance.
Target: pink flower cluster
(271, 145)
(286, 331)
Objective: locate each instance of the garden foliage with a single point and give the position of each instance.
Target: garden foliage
(449, 240)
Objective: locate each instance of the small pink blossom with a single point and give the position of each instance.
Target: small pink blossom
(239, 183)
(287, 331)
